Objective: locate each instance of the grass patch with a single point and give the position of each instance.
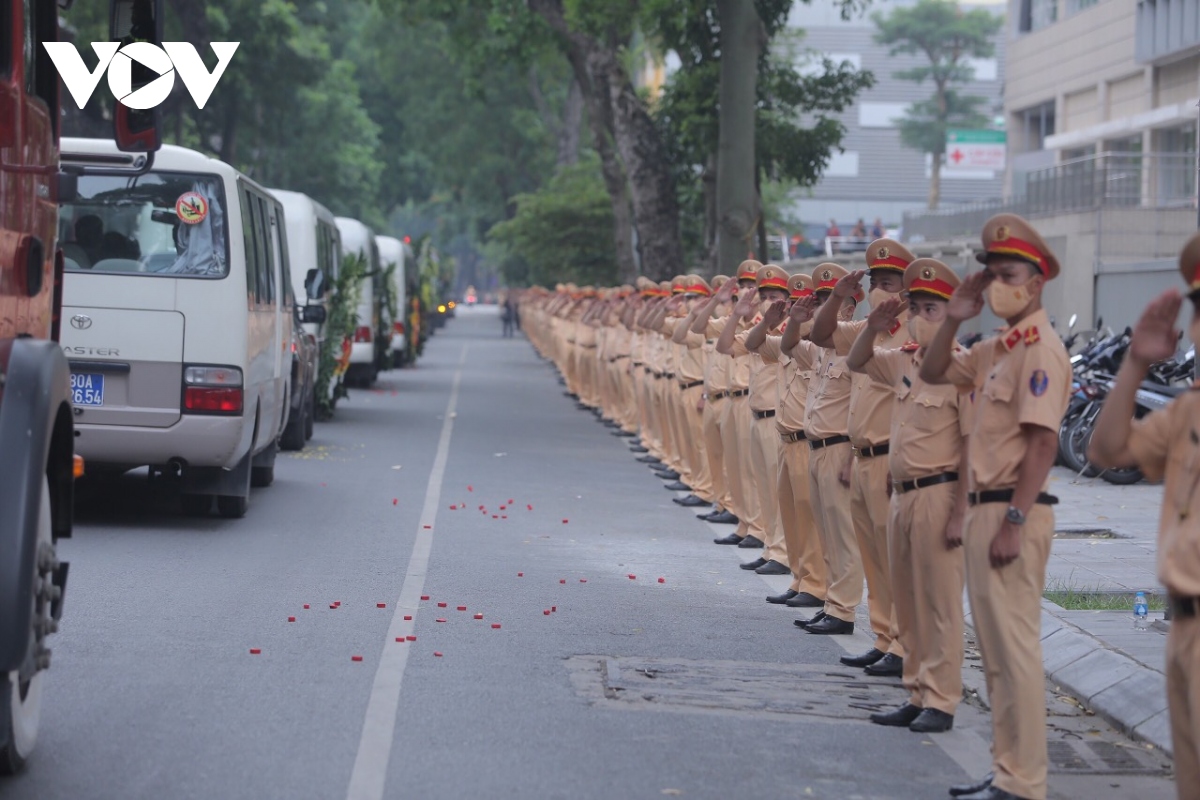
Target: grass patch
(1075, 598)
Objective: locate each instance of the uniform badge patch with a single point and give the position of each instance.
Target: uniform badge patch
(1038, 382)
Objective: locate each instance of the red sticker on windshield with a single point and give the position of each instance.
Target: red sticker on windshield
(191, 208)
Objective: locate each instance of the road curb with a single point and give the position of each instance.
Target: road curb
(1127, 693)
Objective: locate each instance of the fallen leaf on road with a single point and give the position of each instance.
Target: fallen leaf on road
(398, 466)
(672, 792)
(499, 455)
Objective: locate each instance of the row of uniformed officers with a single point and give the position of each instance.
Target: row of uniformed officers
(876, 448)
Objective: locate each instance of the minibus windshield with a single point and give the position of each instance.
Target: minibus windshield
(159, 223)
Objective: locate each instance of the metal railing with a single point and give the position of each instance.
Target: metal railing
(1106, 180)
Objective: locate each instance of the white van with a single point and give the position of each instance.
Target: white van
(369, 342)
(177, 309)
(393, 251)
(315, 255)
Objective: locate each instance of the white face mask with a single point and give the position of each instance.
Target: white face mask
(1007, 301)
(876, 297)
(922, 330)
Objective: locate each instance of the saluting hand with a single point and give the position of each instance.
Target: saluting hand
(802, 310)
(885, 315)
(967, 300)
(746, 303)
(726, 292)
(848, 285)
(776, 313)
(1154, 336)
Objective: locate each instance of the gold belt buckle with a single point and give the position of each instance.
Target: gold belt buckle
(856, 451)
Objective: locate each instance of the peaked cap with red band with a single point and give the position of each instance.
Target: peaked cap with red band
(1010, 235)
(888, 254)
(771, 277)
(1189, 264)
(932, 277)
(679, 284)
(799, 285)
(717, 281)
(748, 269)
(826, 276)
(694, 284)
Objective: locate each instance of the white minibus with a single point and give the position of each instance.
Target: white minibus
(393, 251)
(369, 342)
(177, 306)
(315, 253)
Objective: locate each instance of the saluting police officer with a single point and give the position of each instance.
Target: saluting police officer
(1166, 446)
(1024, 383)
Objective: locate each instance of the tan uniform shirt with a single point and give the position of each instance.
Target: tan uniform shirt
(792, 386)
(690, 357)
(1166, 445)
(716, 368)
(1024, 377)
(870, 401)
(827, 411)
(764, 381)
(928, 420)
(739, 374)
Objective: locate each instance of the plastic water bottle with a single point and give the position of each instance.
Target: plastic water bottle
(1141, 617)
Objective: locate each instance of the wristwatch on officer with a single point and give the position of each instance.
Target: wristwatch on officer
(1014, 516)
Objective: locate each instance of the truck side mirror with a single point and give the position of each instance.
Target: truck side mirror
(314, 284)
(314, 314)
(136, 130)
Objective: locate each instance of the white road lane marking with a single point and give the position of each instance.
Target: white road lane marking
(379, 725)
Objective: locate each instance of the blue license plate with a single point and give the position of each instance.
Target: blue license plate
(87, 388)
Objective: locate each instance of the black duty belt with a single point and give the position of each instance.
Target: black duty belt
(870, 452)
(763, 414)
(817, 444)
(718, 395)
(794, 436)
(1006, 496)
(638, 364)
(588, 346)
(900, 487)
(690, 385)
(739, 393)
(1184, 606)
(667, 375)
(616, 358)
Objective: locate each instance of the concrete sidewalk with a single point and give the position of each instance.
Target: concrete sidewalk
(1105, 542)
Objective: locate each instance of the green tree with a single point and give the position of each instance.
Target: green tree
(947, 37)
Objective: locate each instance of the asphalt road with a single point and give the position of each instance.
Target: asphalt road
(633, 687)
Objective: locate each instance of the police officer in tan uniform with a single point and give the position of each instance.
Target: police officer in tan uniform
(928, 502)
(1024, 382)
(1166, 446)
(690, 378)
(869, 427)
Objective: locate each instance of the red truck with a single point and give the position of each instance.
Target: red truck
(37, 461)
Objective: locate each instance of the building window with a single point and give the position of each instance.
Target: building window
(1036, 14)
(1075, 6)
(1036, 124)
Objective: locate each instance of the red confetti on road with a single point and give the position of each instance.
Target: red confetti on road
(411, 638)
(255, 651)
(395, 501)
(546, 612)
(504, 508)
(564, 522)
(520, 574)
(510, 501)
(439, 619)
(479, 616)
(426, 527)
(470, 488)
(399, 638)
(562, 580)
(553, 609)
(529, 508)
(583, 580)
(424, 597)
(632, 577)
(356, 658)
(495, 626)
(408, 617)
(306, 605)
(662, 580)
(441, 605)
(381, 605)
(462, 608)
(291, 619)
(436, 654)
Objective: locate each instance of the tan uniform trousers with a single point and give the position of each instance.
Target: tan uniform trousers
(662, 436)
(672, 409)
(714, 451)
(735, 438)
(831, 502)
(802, 541)
(628, 395)
(869, 511)
(927, 588)
(1183, 697)
(693, 424)
(1006, 611)
(764, 471)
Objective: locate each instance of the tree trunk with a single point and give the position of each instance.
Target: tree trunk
(737, 197)
(651, 185)
(708, 183)
(568, 132)
(764, 247)
(935, 180)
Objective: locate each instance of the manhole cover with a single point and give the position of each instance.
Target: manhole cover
(734, 686)
(1087, 533)
(1101, 758)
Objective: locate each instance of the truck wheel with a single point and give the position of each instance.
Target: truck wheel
(21, 697)
(261, 477)
(293, 432)
(310, 416)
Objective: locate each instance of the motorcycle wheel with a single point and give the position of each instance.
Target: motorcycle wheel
(1073, 444)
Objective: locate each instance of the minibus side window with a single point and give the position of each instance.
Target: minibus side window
(248, 237)
(285, 267)
(267, 273)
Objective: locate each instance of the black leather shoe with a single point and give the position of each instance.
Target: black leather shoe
(750, 542)
(611, 423)
(805, 600)
(667, 474)
(691, 501)
(624, 434)
(648, 459)
(755, 564)
(902, 717)
(676, 485)
(732, 538)
(636, 443)
(780, 599)
(815, 618)
(991, 793)
(932, 721)
(773, 568)
(963, 789)
(724, 517)
(638, 449)
(889, 665)
(830, 626)
(865, 660)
